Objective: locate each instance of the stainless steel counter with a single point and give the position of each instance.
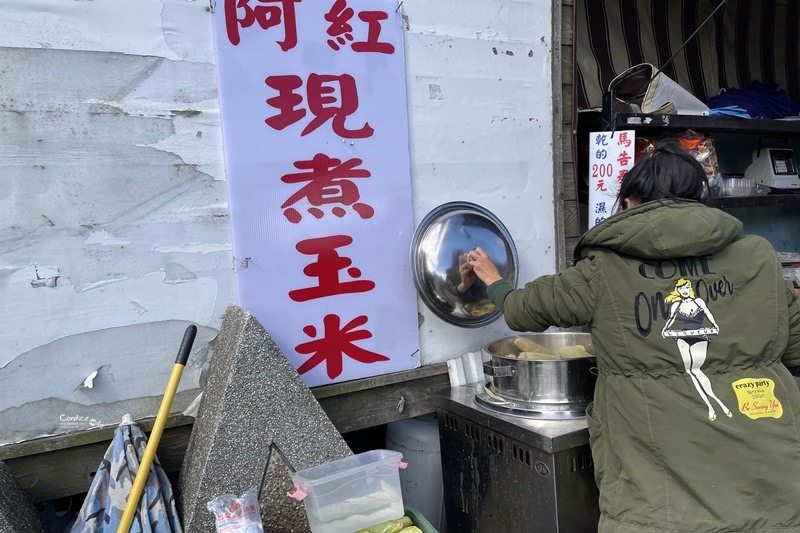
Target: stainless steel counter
(550, 436)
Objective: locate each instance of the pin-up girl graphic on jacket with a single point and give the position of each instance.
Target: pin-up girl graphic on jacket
(690, 312)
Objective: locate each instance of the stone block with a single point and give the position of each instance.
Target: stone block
(17, 513)
(253, 397)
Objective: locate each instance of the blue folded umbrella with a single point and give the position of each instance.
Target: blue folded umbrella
(105, 502)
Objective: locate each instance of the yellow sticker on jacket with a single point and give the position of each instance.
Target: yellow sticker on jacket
(757, 399)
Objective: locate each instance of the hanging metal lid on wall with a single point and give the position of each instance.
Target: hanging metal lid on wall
(438, 262)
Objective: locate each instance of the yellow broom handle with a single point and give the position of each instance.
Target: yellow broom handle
(155, 434)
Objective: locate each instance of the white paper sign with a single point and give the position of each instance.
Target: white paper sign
(611, 156)
(315, 126)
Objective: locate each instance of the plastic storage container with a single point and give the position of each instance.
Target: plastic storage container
(738, 186)
(352, 493)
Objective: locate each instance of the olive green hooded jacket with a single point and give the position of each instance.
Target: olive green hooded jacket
(694, 424)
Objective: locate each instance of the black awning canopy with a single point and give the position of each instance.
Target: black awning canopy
(743, 41)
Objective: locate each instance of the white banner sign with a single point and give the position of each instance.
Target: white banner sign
(611, 156)
(315, 126)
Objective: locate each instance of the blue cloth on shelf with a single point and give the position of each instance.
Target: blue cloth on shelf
(730, 111)
(759, 100)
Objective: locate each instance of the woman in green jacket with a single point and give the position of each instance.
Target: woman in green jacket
(664, 461)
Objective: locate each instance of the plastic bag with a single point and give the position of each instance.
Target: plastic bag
(234, 514)
(702, 148)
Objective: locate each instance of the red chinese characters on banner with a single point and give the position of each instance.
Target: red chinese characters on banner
(322, 102)
(326, 269)
(327, 184)
(341, 31)
(324, 181)
(329, 181)
(268, 14)
(335, 344)
(624, 158)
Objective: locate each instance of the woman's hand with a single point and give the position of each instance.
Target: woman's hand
(483, 266)
(468, 276)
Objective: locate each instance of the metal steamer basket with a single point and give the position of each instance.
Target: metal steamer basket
(550, 388)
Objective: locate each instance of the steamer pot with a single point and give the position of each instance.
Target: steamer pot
(546, 384)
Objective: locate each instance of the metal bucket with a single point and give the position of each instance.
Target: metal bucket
(546, 384)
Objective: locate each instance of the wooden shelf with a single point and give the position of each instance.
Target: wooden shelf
(753, 126)
(64, 465)
(591, 121)
(770, 200)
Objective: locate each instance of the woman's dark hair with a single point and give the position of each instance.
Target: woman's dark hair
(669, 171)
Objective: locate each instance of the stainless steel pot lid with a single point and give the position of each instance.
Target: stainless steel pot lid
(438, 254)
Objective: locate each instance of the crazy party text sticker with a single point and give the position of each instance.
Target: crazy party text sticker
(756, 398)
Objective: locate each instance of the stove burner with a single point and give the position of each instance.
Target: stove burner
(489, 400)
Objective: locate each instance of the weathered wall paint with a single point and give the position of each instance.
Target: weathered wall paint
(114, 229)
(115, 232)
(481, 122)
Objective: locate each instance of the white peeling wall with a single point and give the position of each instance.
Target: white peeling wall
(481, 121)
(114, 227)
